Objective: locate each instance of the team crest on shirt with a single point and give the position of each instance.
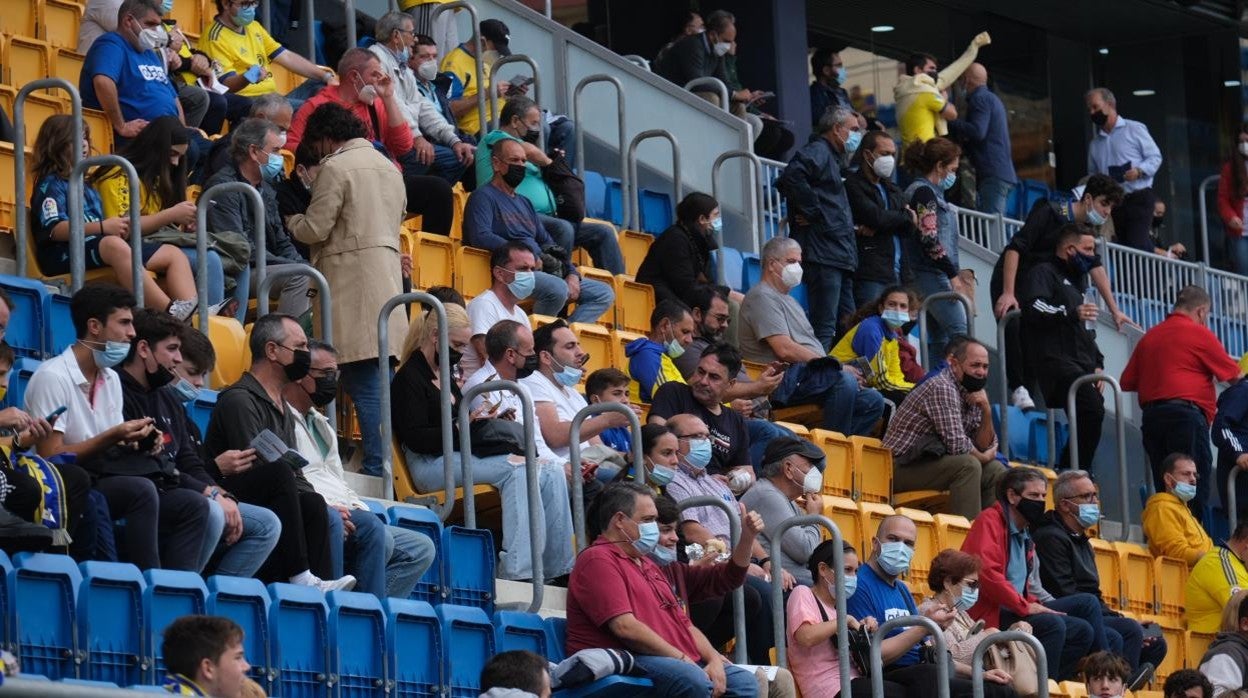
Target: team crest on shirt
(49, 209)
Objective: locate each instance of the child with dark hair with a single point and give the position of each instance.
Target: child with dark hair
(514, 674)
(1187, 683)
(204, 656)
(1104, 674)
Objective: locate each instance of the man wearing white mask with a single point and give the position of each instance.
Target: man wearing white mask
(881, 216)
(774, 328)
(793, 469)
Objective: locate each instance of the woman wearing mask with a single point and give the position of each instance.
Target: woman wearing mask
(1232, 189)
(881, 217)
(954, 577)
(873, 343)
(660, 456)
(680, 258)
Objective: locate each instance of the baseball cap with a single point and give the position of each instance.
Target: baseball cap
(498, 33)
(782, 447)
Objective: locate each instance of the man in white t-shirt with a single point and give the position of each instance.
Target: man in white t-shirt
(511, 268)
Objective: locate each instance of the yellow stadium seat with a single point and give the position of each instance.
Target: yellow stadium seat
(600, 275)
(1109, 568)
(1137, 577)
(288, 162)
(92, 275)
(634, 246)
(753, 369)
(26, 59)
(1195, 645)
(870, 514)
(414, 224)
(873, 468)
(1074, 689)
(596, 341)
(1170, 583)
(189, 15)
(926, 545)
(348, 420)
(633, 304)
(67, 65)
(229, 339)
(433, 262)
(844, 513)
(101, 130)
(283, 78)
(459, 201)
(8, 183)
(60, 23)
(1055, 690)
(36, 109)
(838, 469)
(193, 191)
(20, 17)
(472, 271)
(619, 340)
(1176, 650)
(536, 321)
(951, 530)
(405, 488)
(1145, 694)
(798, 429)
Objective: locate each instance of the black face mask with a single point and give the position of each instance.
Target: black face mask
(451, 355)
(1099, 118)
(971, 384)
(1032, 510)
(514, 175)
(933, 74)
(531, 135)
(1158, 220)
(159, 378)
(530, 365)
(297, 369)
(326, 391)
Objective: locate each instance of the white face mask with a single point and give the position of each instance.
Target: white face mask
(367, 93)
(722, 48)
(151, 38)
(428, 71)
(1243, 149)
(813, 482)
(791, 275)
(884, 165)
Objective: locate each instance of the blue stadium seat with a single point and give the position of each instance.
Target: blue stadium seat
(170, 594)
(656, 211)
(595, 194)
(431, 586)
(469, 632)
(515, 630)
(414, 648)
(1151, 313)
(613, 207)
(609, 687)
(299, 641)
(752, 270)
(799, 293)
(46, 587)
(1013, 201)
(91, 683)
(734, 269)
(7, 611)
(59, 331)
(357, 644)
(1020, 427)
(29, 317)
(557, 637)
(1128, 304)
(1033, 191)
(110, 622)
(20, 375)
(468, 566)
(144, 688)
(1038, 436)
(245, 601)
(376, 506)
(200, 409)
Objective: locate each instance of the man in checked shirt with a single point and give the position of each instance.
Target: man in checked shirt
(942, 436)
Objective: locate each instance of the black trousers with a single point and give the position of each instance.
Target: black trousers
(430, 197)
(714, 617)
(1175, 426)
(1133, 220)
(164, 529)
(1089, 406)
(304, 541)
(921, 681)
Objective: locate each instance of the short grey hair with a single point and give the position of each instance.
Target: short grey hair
(831, 118)
(772, 469)
(251, 132)
(778, 247)
(268, 328)
(137, 8)
(1105, 94)
(389, 23)
(1064, 488)
(268, 104)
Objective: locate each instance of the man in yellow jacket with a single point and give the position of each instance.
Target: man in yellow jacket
(923, 110)
(1214, 580)
(1169, 526)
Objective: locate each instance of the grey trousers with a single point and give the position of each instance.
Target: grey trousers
(972, 485)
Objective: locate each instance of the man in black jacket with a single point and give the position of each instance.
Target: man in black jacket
(1068, 566)
(701, 55)
(880, 217)
(1062, 347)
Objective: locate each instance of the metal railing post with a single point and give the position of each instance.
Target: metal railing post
(638, 61)
(19, 687)
(21, 219)
(926, 306)
(537, 534)
(633, 206)
(478, 47)
(266, 18)
(738, 595)
(1000, 233)
(877, 658)
(309, 28)
(537, 90)
(259, 239)
(549, 10)
(977, 660)
(717, 85)
(348, 13)
(281, 272)
(756, 195)
(1119, 426)
(77, 226)
(775, 538)
(1232, 497)
(1204, 216)
(574, 456)
(1003, 439)
(1051, 437)
(444, 378)
(622, 139)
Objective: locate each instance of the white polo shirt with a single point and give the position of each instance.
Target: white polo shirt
(483, 312)
(92, 409)
(509, 400)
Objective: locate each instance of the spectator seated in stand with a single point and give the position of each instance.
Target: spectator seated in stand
(618, 598)
(1225, 663)
(651, 358)
(244, 51)
(204, 657)
(294, 191)
(1187, 683)
(1105, 674)
(516, 674)
(873, 343)
(1169, 526)
(792, 468)
(270, 107)
(610, 385)
(679, 260)
(1214, 579)
(435, 87)
(513, 273)
(459, 64)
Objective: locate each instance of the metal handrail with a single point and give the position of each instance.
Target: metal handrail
(1003, 439)
(738, 595)
(638, 61)
(574, 456)
(776, 538)
(18, 687)
(281, 272)
(1119, 426)
(926, 306)
(348, 13)
(478, 47)
(537, 90)
(1051, 437)
(756, 196)
(77, 234)
(259, 242)
(1203, 202)
(21, 219)
(977, 660)
(536, 532)
(716, 84)
(444, 379)
(633, 192)
(877, 658)
(580, 129)
(1232, 497)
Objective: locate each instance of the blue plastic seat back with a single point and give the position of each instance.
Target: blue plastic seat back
(469, 637)
(7, 608)
(357, 644)
(752, 271)
(146, 688)
(656, 211)
(431, 585)
(299, 641)
(29, 315)
(468, 566)
(414, 648)
(46, 590)
(799, 294)
(595, 194)
(19, 377)
(170, 594)
(110, 622)
(556, 637)
(613, 209)
(60, 328)
(200, 409)
(1020, 427)
(377, 507)
(1038, 436)
(515, 630)
(246, 602)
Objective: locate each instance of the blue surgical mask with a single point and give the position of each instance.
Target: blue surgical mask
(1184, 491)
(522, 286)
(166, 7)
(662, 475)
(852, 143)
(112, 354)
(699, 454)
(403, 55)
(569, 376)
(245, 16)
(647, 537)
(841, 76)
(186, 392)
(1089, 515)
(968, 598)
(895, 557)
(894, 318)
(949, 180)
(851, 585)
(662, 556)
(717, 225)
(1094, 216)
(273, 170)
(673, 349)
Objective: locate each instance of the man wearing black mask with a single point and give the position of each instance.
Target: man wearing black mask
(1124, 150)
(1059, 322)
(942, 436)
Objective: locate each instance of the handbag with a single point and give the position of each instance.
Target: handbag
(496, 437)
(859, 645)
(1019, 661)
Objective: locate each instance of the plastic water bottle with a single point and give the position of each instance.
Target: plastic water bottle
(1089, 296)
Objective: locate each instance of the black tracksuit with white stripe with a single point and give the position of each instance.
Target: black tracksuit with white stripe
(1230, 435)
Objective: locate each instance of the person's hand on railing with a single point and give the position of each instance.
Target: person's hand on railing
(1121, 320)
(1005, 303)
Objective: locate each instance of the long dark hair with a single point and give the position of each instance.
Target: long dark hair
(149, 153)
(874, 307)
(1239, 182)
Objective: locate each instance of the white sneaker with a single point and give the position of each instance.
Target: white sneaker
(1022, 399)
(182, 309)
(344, 583)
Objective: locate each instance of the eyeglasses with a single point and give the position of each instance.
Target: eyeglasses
(1087, 497)
(324, 373)
(971, 583)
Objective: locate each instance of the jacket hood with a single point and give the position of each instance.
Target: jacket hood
(640, 345)
(1240, 639)
(910, 85)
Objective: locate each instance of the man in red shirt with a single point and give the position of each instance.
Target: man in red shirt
(1173, 369)
(620, 599)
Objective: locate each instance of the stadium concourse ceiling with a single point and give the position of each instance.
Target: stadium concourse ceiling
(922, 23)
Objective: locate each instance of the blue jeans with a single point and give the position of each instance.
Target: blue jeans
(676, 678)
(359, 379)
(1126, 638)
(830, 292)
(1069, 638)
(216, 276)
(550, 294)
(1237, 251)
(261, 528)
(554, 520)
(761, 433)
(868, 292)
(386, 561)
(597, 239)
(847, 407)
(944, 318)
(994, 192)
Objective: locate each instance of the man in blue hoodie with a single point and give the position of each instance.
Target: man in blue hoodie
(650, 358)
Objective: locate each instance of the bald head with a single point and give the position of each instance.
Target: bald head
(975, 76)
(505, 154)
(686, 424)
(896, 527)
